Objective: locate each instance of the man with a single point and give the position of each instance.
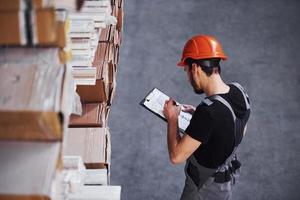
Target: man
(216, 128)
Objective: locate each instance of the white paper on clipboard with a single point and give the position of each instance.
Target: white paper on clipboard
(155, 102)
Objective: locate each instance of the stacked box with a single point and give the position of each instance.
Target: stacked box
(35, 103)
(88, 135)
(58, 63)
(86, 27)
(36, 97)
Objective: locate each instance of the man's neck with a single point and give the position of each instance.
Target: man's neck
(215, 85)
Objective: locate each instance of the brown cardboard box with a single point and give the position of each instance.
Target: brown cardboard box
(116, 36)
(32, 108)
(120, 36)
(13, 28)
(102, 70)
(112, 33)
(45, 29)
(100, 53)
(24, 197)
(61, 34)
(40, 4)
(93, 115)
(44, 26)
(105, 35)
(63, 28)
(120, 17)
(93, 93)
(112, 73)
(110, 55)
(12, 5)
(30, 125)
(92, 144)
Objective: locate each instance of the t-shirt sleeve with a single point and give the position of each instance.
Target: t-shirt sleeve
(200, 127)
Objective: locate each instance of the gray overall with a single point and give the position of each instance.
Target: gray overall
(213, 184)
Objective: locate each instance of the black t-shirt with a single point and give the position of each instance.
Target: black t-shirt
(213, 126)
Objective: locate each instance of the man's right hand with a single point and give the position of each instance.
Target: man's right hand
(188, 108)
(171, 110)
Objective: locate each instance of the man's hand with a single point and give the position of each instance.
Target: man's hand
(188, 108)
(171, 110)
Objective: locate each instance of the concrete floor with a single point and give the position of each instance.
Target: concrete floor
(261, 39)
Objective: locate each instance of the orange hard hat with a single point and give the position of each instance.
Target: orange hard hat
(202, 47)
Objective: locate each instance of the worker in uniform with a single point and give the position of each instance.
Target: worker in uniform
(217, 126)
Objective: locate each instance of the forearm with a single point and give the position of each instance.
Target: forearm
(173, 139)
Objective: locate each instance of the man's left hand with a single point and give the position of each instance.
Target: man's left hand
(171, 110)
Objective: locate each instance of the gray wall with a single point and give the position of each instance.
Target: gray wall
(261, 39)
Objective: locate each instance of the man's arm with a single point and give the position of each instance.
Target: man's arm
(180, 148)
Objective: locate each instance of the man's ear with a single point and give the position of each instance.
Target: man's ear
(194, 67)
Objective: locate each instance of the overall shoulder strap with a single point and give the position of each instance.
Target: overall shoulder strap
(246, 97)
(225, 165)
(207, 102)
(223, 101)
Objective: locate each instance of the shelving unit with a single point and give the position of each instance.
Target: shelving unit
(58, 67)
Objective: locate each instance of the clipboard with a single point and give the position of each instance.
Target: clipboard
(154, 102)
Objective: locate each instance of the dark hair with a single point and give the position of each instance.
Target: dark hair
(209, 66)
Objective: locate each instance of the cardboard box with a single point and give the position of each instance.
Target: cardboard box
(93, 115)
(35, 107)
(100, 54)
(96, 177)
(92, 144)
(116, 36)
(105, 34)
(97, 192)
(28, 169)
(111, 53)
(105, 53)
(93, 93)
(13, 28)
(102, 71)
(63, 29)
(112, 70)
(44, 25)
(12, 5)
(30, 125)
(120, 17)
(70, 5)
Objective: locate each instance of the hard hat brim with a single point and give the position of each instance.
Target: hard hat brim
(182, 62)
